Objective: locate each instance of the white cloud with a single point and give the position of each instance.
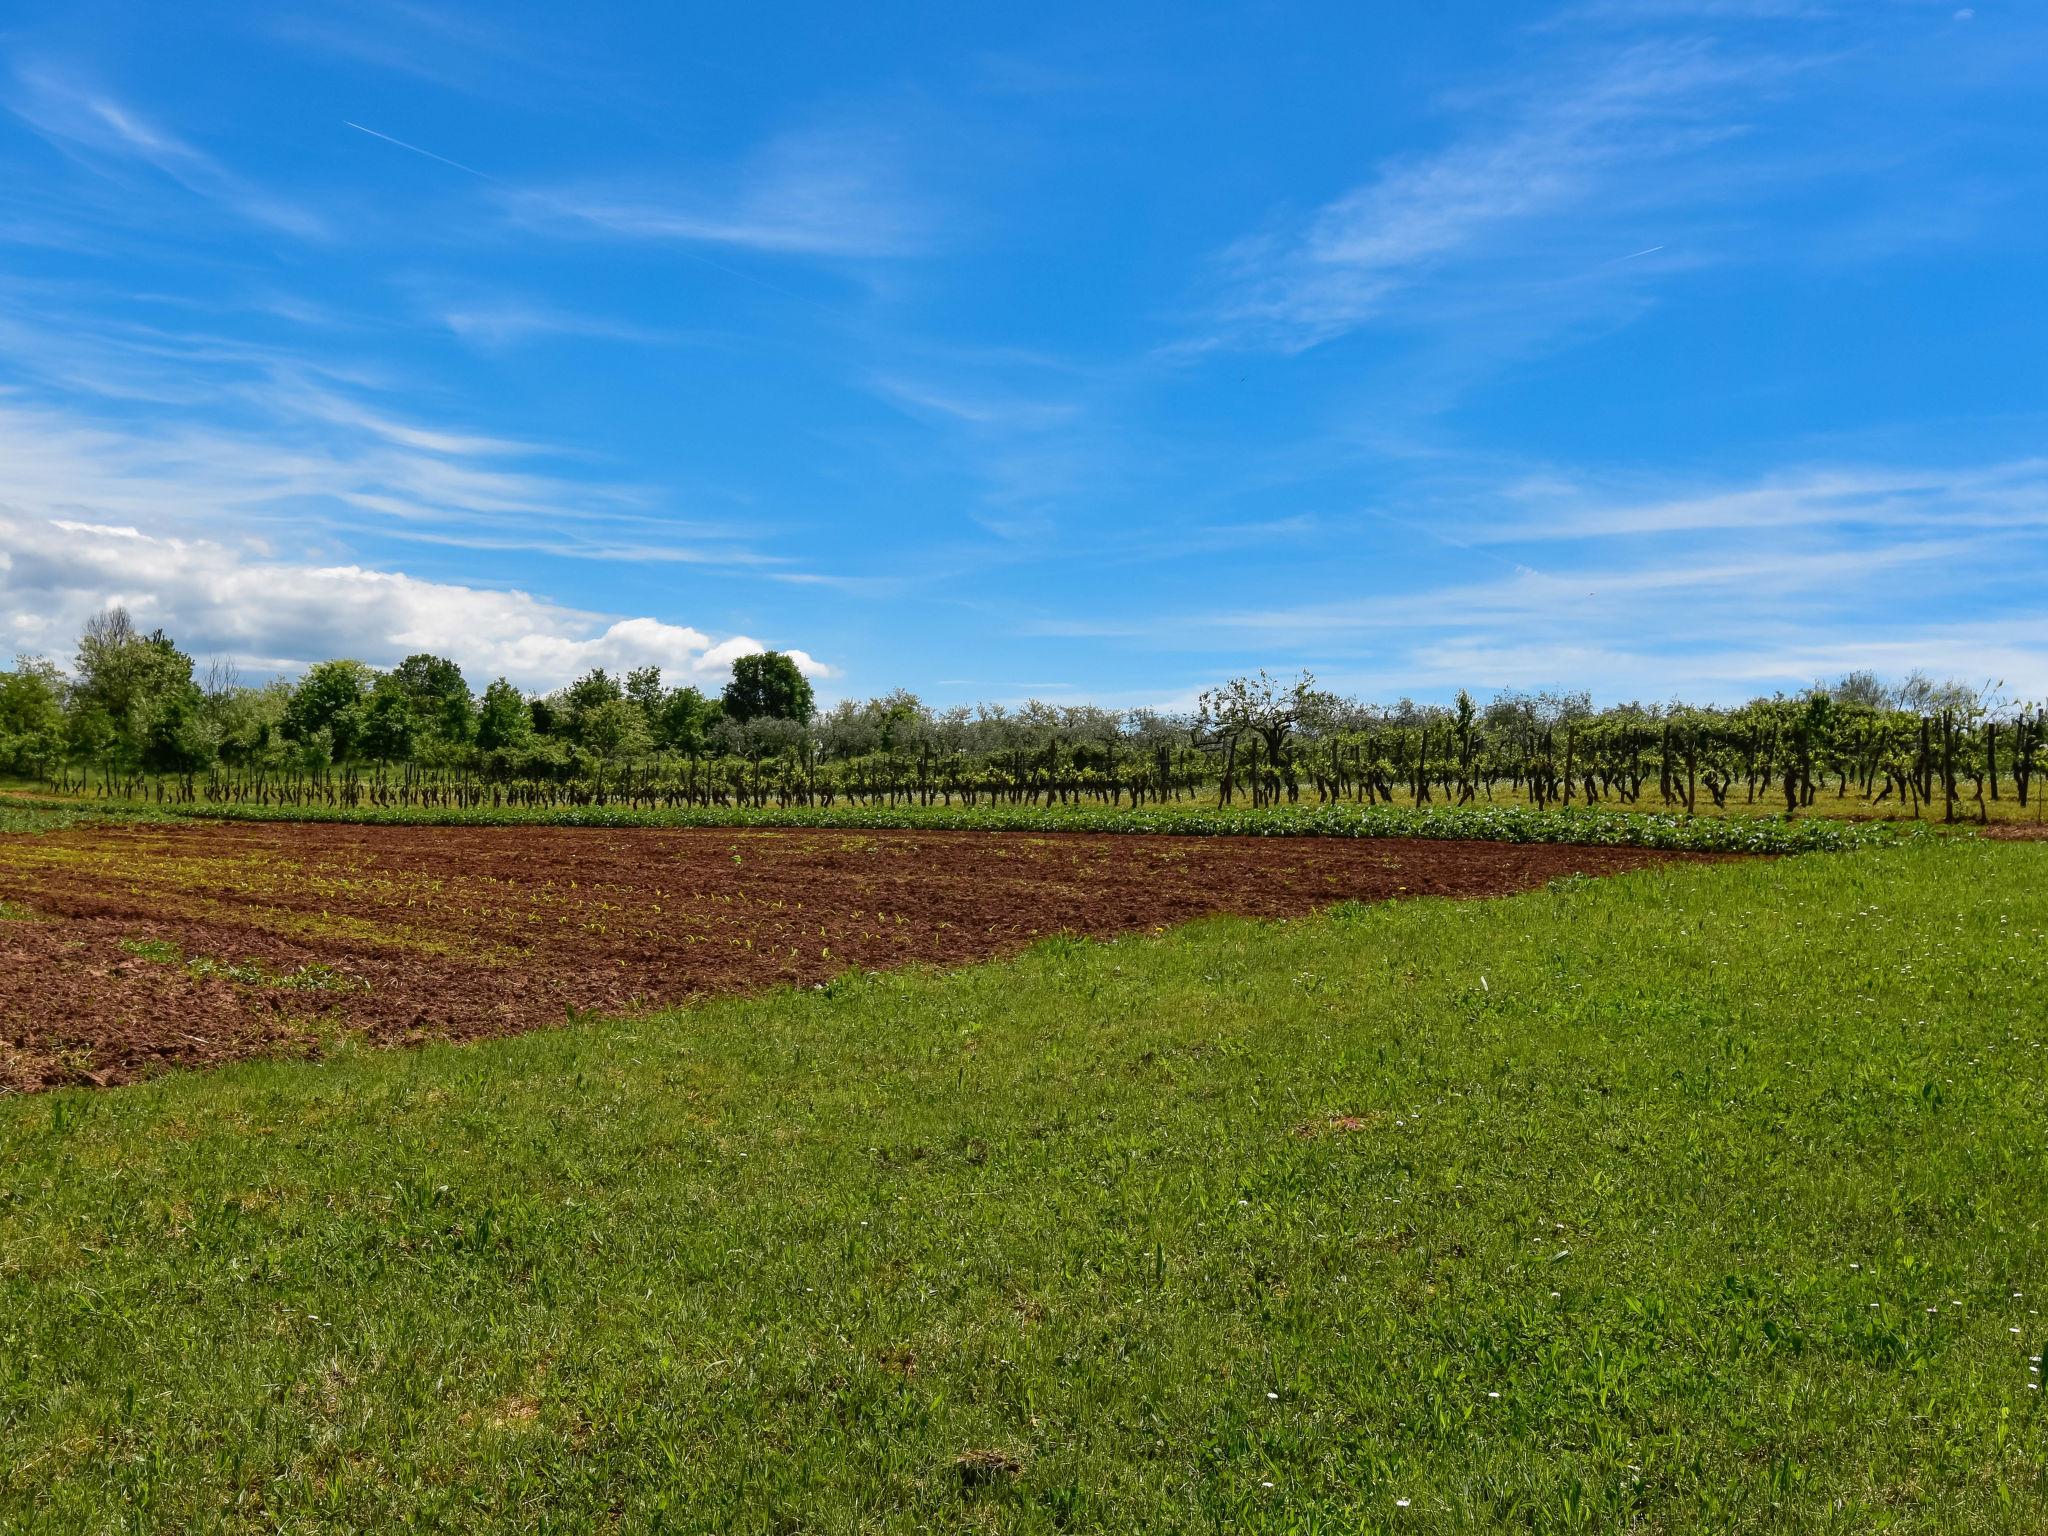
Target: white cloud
(974, 408)
(1723, 595)
(232, 524)
(491, 325)
(270, 615)
(82, 119)
(1565, 152)
(807, 194)
(329, 407)
(1712, 594)
(2007, 654)
(1999, 496)
(326, 460)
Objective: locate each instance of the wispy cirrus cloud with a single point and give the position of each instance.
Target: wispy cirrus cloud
(496, 324)
(971, 405)
(482, 51)
(2011, 497)
(325, 405)
(333, 474)
(1650, 139)
(176, 430)
(230, 512)
(842, 193)
(91, 123)
(1557, 182)
(1605, 594)
(437, 45)
(1714, 591)
(237, 541)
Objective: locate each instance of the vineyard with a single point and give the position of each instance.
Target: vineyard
(132, 725)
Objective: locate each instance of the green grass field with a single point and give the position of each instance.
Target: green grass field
(1708, 1199)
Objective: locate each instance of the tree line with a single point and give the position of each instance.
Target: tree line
(134, 718)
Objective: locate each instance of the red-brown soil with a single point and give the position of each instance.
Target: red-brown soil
(114, 940)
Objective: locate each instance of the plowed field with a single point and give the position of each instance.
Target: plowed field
(130, 949)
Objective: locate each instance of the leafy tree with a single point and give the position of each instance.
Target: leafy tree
(503, 721)
(331, 698)
(686, 720)
(768, 685)
(614, 729)
(438, 697)
(247, 723)
(899, 720)
(125, 679)
(32, 733)
(1864, 688)
(89, 734)
(643, 687)
(178, 737)
(1262, 706)
(577, 707)
(593, 688)
(393, 722)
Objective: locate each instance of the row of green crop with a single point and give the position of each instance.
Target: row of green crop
(1511, 824)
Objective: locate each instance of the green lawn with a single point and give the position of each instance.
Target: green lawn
(1698, 1200)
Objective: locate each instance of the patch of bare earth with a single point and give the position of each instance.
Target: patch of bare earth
(132, 949)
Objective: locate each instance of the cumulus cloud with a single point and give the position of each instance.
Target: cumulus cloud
(268, 615)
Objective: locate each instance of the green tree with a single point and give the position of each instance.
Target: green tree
(643, 687)
(503, 720)
(248, 723)
(686, 720)
(575, 707)
(614, 729)
(768, 685)
(898, 720)
(31, 716)
(331, 698)
(593, 688)
(178, 737)
(89, 734)
(438, 697)
(125, 680)
(393, 722)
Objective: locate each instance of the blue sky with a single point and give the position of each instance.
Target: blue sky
(1676, 347)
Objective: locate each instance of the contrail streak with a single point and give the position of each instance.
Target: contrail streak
(468, 170)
